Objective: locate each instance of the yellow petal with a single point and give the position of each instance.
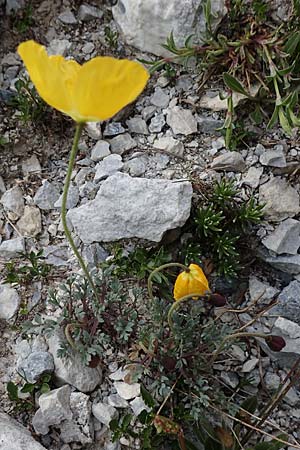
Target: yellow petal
(53, 76)
(95, 91)
(192, 282)
(105, 85)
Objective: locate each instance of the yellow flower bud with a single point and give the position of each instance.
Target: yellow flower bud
(191, 281)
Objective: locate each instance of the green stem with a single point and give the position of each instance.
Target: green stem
(178, 303)
(164, 266)
(79, 128)
(234, 336)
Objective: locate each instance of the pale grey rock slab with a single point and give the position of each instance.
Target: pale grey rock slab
(262, 290)
(157, 123)
(12, 247)
(72, 370)
(55, 405)
(229, 162)
(138, 405)
(136, 166)
(79, 428)
(137, 125)
(9, 302)
(31, 165)
(59, 47)
(281, 199)
(46, 196)
(113, 129)
(285, 238)
(146, 25)
(122, 143)
(30, 224)
(36, 365)
(13, 436)
(89, 12)
(285, 263)
(39, 424)
(104, 413)
(252, 177)
(249, 365)
(108, 166)
(170, 144)
(13, 201)
(127, 391)
(72, 198)
(127, 207)
(100, 151)
(182, 121)
(67, 17)
(117, 401)
(160, 98)
(289, 302)
(274, 157)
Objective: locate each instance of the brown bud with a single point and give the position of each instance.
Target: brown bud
(217, 300)
(276, 343)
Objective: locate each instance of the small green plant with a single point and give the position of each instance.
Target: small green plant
(219, 226)
(111, 37)
(24, 20)
(255, 57)
(29, 104)
(3, 141)
(24, 274)
(139, 263)
(27, 402)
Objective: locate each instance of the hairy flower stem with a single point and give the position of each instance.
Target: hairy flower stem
(164, 266)
(79, 128)
(178, 303)
(230, 338)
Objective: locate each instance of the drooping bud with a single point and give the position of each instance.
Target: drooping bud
(275, 343)
(217, 300)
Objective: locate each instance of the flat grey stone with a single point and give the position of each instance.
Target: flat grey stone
(13, 436)
(9, 302)
(72, 370)
(2, 185)
(127, 207)
(160, 98)
(89, 12)
(170, 144)
(67, 17)
(127, 391)
(229, 162)
(252, 177)
(209, 125)
(30, 224)
(148, 112)
(289, 302)
(12, 247)
(288, 264)
(272, 381)
(104, 413)
(285, 238)
(281, 199)
(138, 405)
(249, 365)
(273, 158)
(36, 365)
(113, 129)
(136, 166)
(181, 121)
(100, 151)
(262, 290)
(122, 143)
(72, 199)
(157, 123)
(117, 401)
(39, 424)
(31, 165)
(137, 125)
(55, 405)
(46, 196)
(59, 47)
(79, 428)
(108, 166)
(13, 201)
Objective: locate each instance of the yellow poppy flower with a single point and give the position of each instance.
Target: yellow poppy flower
(91, 92)
(192, 282)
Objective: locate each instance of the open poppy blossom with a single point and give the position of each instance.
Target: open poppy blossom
(189, 282)
(91, 92)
